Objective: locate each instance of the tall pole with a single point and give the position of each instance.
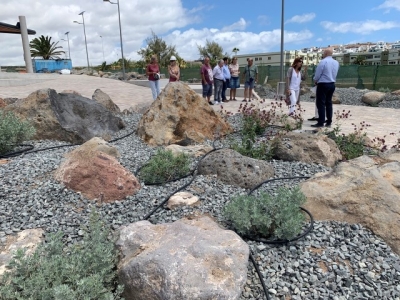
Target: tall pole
(102, 47)
(282, 39)
(69, 49)
(25, 44)
(84, 32)
(120, 37)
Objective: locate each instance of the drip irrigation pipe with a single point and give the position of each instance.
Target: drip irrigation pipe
(30, 147)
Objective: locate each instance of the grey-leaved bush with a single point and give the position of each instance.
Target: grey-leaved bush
(83, 271)
(165, 166)
(265, 215)
(13, 131)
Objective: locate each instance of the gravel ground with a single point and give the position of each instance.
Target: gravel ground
(336, 261)
(347, 96)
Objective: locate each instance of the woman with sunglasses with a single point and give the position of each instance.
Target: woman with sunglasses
(293, 79)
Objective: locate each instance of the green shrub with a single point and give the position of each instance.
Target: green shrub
(81, 271)
(13, 131)
(384, 90)
(264, 215)
(165, 166)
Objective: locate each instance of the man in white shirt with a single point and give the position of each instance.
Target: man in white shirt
(325, 78)
(218, 75)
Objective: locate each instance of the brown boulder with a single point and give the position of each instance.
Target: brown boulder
(193, 151)
(95, 174)
(363, 190)
(180, 116)
(105, 100)
(2, 103)
(308, 148)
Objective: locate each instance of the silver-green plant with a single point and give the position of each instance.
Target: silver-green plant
(13, 131)
(83, 271)
(264, 215)
(165, 166)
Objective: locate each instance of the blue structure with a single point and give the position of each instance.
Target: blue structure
(51, 65)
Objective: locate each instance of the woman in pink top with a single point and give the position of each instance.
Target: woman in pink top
(234, 81)
(173, 70)
(153, 72)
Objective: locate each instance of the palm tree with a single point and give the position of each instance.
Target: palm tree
(235, 50)
(43, 47)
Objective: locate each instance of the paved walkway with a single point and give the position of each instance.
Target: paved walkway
(383, 121)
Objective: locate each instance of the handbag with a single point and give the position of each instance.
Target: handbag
(156, 76)
(287, 98)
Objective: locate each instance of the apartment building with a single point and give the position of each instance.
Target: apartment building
(310, 58)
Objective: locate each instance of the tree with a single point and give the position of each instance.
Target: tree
(235, 50)
(359, 60)
(157, 46)
(212, 50)
(44, 47)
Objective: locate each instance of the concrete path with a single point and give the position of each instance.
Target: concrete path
(383, 121)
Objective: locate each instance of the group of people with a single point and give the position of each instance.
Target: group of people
(153, 74)
(226, 75)
(324, 79)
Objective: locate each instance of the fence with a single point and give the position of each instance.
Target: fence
(369, 77)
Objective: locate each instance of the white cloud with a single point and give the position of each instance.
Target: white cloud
(239, 25)
(248, 42)
(302, 18)
(168, 19)
(365, 27)
(389, 4)
(55, 18)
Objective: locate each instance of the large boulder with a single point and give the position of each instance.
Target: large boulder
(180, 116)
(188, 259)
(2, 103)
(373, 98)
(105, 100)
(308, 148)
(233, 168)
(27, 239)
(364, 190)
(66, 117)
(96, 174)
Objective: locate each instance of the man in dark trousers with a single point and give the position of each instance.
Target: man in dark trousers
(325, 78)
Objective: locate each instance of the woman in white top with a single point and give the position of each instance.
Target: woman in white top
(293, 79)
(234, 82)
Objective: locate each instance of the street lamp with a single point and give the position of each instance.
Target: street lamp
(281, 88)
(84, 32)
(65, 53)
(69, 49)
(120, 37)
(102, 47)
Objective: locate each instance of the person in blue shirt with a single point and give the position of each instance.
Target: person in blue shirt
(325, 78)
(227, 76)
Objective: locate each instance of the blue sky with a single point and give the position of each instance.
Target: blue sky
(251, 26)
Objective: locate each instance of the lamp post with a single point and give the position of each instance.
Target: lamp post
(120, 37)
(65, 53)
(84, 32)
(69, 49)
(102, 47)
(282, 39)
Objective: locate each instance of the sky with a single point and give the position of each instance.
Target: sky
(251, 26)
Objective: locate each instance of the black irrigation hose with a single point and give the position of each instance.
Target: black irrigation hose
(259, 274)
(30, 147)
